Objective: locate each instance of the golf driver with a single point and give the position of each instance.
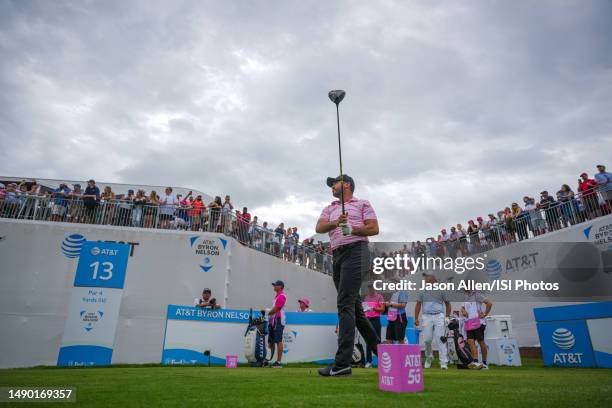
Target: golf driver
(336, 96)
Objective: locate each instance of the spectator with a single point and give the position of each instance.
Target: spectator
(475, 309)
(124, 215)
(569, 210)
(279, 234)
(183, 219)
(472, 232)
(463, 244)
(167, 206)
(534, 220)
(243, 219)
(435, 307)
(151, 210)
(548, 204)
(519, 221)
(226, 213)
(604, 183)
(509, 225)
(304, 305)
(139, 202)
(2, 194)
(10, 201)
(108, 198)
(215, 208)
(295, 239)
(373, 306)
(207, 301)
(396, 316)
(195, 213)
(254, 233)
(484, 232)
(60, 202)
(76, 207)
(494, 231)
(276, 320)
(586, 187)
(91, 201)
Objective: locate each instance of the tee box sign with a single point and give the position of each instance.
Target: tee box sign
(102, 264)
(399, 368)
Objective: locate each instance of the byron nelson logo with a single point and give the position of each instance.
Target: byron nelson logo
(207, 249)
(494, 269)
(385, 362)
(71, 245)
(563, 338)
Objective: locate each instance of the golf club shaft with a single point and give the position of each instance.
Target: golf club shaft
(340, 155)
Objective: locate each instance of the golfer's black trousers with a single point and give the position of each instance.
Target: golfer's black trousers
(350, 262)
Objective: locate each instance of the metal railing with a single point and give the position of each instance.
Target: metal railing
(128, 213)
(527, 224)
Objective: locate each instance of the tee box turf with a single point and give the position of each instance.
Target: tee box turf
(399, 368)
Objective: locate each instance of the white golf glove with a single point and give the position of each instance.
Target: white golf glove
(346, 229)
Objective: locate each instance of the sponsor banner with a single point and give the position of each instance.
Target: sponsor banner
(93, 308)
(566, 343)
(576, 335)
(191, 331)
(400, 368)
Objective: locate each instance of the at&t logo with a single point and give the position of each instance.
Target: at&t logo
(385, 362)
(564, 339)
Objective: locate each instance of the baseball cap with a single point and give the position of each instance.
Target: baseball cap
(2, 185)
(544, 192)
(479, 219)
(347, 179)
(583, 174)
(206, 290)
(278, 283)
(305, 301)
(600, 165)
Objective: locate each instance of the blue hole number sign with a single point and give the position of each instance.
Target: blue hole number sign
(102, 264)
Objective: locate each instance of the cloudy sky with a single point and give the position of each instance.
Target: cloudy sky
(453, 109)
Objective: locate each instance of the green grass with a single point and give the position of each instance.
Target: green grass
(299, 386)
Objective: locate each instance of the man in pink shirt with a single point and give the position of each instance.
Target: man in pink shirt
(277, 322)
(373, 305)
(348, 233)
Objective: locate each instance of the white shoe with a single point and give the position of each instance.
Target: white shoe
(484, 367)
(443, 367)
(475, 365)
(368, 365)
(428, 363)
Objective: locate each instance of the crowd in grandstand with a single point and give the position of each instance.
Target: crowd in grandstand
(30, 200)
(535, 217)
(90, 205)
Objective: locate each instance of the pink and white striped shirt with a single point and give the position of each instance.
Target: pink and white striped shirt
(357, 210)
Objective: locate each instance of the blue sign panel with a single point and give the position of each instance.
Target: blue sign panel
(566, 343)
(102, 264)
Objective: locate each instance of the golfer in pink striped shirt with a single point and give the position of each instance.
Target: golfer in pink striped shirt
(348, 232)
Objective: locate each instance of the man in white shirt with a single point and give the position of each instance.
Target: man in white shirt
(167, 206)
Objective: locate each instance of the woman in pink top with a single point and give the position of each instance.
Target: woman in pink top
(373, 305)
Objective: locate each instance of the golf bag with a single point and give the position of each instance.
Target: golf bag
(459, 346)
(255, 340)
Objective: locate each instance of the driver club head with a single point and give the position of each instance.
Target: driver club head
(336, 96)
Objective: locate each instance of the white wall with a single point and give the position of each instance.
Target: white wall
(36, 279)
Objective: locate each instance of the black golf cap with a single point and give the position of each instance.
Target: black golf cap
(347, 179)
(278, 283)
(206, 290)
